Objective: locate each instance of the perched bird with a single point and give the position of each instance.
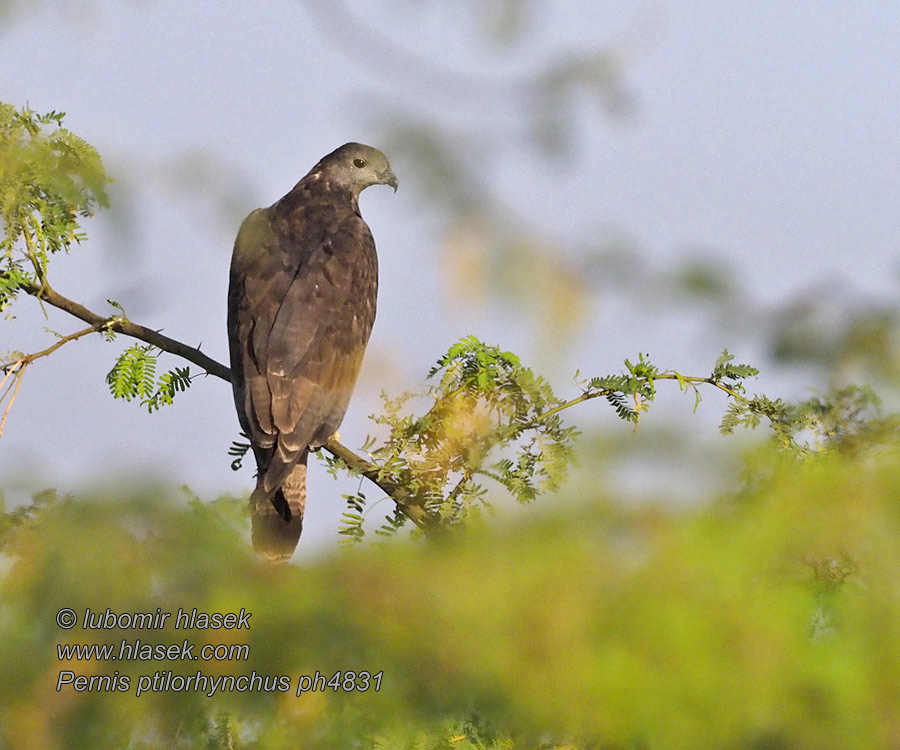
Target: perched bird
(301, 304)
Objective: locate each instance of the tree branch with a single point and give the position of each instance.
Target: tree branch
(120, 324)
(16, 368)
(410, 504)
(406, 502)
(692, 380)
(414, 511)
(27, 359)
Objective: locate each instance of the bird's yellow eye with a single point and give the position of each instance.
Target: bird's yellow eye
(359, 163)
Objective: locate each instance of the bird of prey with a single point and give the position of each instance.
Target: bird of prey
(301, 304)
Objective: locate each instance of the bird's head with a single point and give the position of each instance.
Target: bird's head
(357, 166)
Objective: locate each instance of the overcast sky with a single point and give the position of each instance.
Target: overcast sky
(766, 131)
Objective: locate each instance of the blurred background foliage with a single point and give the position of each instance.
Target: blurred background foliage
(766, 619)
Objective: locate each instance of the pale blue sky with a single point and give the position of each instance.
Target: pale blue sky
(765, 131)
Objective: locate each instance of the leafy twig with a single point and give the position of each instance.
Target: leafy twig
(119, 324)
(122, 325)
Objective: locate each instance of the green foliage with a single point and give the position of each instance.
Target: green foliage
(638, 383)
(490, 417)
(134, 373)
(49, 177)
(134, 376)
(170, 383)
(725, 369)
(769, 620)
(847, 418)
(238, 449)
(351, 528)
(12, 278)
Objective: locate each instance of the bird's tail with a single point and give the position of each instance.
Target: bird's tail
(277, 520)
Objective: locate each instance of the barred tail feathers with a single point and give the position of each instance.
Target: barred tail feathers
(277, 520)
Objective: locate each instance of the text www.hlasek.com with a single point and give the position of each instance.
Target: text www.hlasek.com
(139, 651)
(131, 650)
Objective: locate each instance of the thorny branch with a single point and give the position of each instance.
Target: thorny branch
(412, 506)
(604, 392)
(415, 512)
(119, 324)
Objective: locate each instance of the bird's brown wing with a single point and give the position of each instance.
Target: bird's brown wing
(301, 308)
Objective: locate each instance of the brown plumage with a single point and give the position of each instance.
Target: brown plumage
(301, 304)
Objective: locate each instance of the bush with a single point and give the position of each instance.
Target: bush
(768, 620)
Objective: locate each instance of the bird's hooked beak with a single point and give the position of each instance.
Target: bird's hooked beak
(388, 178)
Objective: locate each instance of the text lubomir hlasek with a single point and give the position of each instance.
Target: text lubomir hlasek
(185, 619)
